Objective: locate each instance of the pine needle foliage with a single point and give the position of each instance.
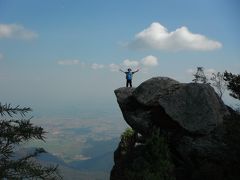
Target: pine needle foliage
(14, 131)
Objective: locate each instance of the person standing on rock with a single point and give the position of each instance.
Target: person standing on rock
(129, 75)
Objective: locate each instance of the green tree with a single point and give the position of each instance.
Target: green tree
(15, 130)
(233, 85)
(199, 76)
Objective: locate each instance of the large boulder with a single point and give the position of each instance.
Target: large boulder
(192, 107)
(193, 118)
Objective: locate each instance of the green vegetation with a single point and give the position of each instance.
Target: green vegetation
(199, 76)
(233, 84)
(149, 160)
(232, 139)
(128, 139)
(14, 132)
(220, 81)
(127, 134)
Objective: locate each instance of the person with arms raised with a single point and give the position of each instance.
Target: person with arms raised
(129, 74)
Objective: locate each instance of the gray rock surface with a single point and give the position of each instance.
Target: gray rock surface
(195, 108)
(203, 134)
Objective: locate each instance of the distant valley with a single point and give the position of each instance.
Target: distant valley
(82, 146)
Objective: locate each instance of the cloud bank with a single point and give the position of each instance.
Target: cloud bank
(130, 63)
(114, 67)
(69, 62)
(144, 63)
(16, 31)
(157, 37)
(148, 61)
(96, 66)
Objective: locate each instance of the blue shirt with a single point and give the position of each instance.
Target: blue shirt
(129, 75)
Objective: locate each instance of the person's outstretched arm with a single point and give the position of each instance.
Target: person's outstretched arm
(136, 71)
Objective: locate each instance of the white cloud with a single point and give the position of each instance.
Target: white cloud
(69, 62)
(150, 61)
(114, 67)
(145, 63)
(97, 66)
(16, 31)
(158, 37)
(130, 63)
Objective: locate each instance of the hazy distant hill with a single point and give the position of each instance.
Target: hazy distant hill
(70, 173)
(94, 169)
(101, 163)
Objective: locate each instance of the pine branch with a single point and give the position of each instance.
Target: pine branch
(17, 131)
(9, 110)
(14, 132)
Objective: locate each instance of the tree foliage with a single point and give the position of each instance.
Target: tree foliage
(233, 85)
(13, 132)
(128, 139)
(199, 76)
(217, 81)
(149, 160)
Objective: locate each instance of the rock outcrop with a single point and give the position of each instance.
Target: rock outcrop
(191, 115)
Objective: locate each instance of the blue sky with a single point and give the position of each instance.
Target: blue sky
(62, 53)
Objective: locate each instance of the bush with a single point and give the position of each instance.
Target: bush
(128, 139)
(151, 160)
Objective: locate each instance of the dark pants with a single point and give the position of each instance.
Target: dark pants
(129, 82)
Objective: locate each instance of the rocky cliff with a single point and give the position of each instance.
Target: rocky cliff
(194, 121)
